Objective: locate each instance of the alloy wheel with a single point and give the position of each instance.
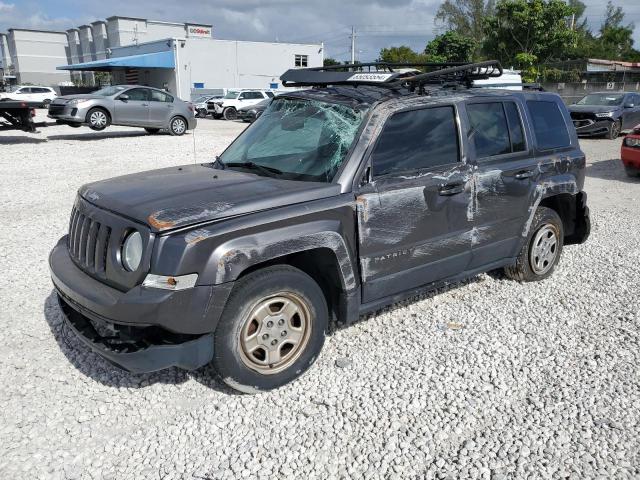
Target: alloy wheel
(178, 126)
(98, 119)
(275, 333)
(544, 249)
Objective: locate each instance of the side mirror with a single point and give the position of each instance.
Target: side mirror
(124, 97)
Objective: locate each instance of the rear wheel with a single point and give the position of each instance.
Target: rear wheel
(614, 130)
(541, 252)
(177, 126)
(98, 119)
(152, 131)
(272, 329)
(230, 113)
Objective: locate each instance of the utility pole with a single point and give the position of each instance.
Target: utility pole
(353, 44)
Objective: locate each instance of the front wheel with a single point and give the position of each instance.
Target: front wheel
(541, 252)
(614, 130)
(178, 126)
(272, 329)
(230, 113)
(202, 113)
(97, 119)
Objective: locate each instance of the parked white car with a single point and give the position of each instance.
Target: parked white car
(234, 100)
(31, 93)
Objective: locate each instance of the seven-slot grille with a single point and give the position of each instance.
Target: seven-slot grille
(88, 242)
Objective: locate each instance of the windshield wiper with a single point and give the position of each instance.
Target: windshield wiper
(253, 166)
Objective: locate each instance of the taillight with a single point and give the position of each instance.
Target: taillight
(190, 107)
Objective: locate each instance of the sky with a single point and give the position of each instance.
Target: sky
(377, 23)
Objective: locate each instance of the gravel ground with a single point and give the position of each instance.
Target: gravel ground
(487, 379)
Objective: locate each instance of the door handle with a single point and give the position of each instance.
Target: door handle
(524, 174)
(451, 189)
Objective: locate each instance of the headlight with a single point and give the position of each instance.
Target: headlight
(77, 101)
(632, 142)
(132, 251)
(180, 282)
(604, 114)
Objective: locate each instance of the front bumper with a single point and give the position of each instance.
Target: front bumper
(67, 113)
(598, 127)
(180, 322)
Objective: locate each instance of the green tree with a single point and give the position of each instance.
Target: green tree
(451, 46)
(467, 17)
(536, 28)
(328, 62)
(615, 41)
(401, 54)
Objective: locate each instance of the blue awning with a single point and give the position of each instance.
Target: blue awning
(146, 60)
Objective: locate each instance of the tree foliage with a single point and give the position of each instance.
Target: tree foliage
(328, 62)
(466, 17)
(537, 28)
(451, 46)
(402, 54)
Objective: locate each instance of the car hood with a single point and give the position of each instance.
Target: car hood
(181, 196)
(593, 108)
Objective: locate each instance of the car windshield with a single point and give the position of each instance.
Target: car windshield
(602, 99)
(108, 91)
(231, 95)
(297, 139)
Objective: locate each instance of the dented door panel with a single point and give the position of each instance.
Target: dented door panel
(413, 231)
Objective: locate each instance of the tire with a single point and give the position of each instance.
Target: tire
(614, 130)
(202, 113)
(152, 131)
(230, 113)
(542, 250)
(178, 126)
(98, 119)
(243, 364)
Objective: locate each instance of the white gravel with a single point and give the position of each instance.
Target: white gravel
(488, 379)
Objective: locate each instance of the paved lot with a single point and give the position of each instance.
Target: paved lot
(487, 379)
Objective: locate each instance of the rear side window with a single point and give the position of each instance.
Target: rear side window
(548, 125)
(497, 128)
(157, 96)
(415, 140)
(269, 94)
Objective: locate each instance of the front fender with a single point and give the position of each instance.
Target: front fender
(232, 257)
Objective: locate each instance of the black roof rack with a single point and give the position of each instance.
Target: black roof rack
(392, 75)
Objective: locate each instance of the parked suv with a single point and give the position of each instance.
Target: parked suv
(340, 200)
(606, 113)
(228, 106)
(131, 105)
(31, 93)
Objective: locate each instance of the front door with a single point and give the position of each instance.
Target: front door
(133, 109)
(412, 216)
(160, 108)
(631, 112)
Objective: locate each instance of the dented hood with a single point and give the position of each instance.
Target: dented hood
(181, 196)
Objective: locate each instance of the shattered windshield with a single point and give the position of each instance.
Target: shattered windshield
(601, 99)
(296, 139)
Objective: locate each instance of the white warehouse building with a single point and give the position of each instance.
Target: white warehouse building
(183, 58)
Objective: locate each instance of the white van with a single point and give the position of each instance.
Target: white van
(509, 80)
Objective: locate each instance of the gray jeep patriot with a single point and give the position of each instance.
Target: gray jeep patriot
(372, 186)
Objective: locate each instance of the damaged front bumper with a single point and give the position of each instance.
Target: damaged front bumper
(592, 128)
(143, 329)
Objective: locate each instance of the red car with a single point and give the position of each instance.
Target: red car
(630, 152)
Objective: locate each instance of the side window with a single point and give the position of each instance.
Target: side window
(415, 140)
(243, 96)
(138, 94)
(157, 96)
(548, 125)
(269, 94)
(516, 132)
(490, 130)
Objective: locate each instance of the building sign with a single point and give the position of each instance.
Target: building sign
(198, 31)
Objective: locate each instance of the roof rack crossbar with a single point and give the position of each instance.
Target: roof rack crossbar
(390, 75)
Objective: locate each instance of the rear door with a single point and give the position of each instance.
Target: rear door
(502, 185)
(412, 215)
(631, 112)
(134, 110)
(161, 108)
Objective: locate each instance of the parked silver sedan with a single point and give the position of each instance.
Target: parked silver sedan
(130, 105)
